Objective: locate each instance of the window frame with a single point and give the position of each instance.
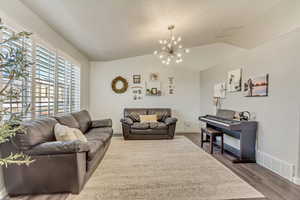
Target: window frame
(36, 40)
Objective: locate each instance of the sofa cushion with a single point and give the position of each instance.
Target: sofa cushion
(95, 146)
(158, 125)
(97, 138)
(141, 126)
(84, 119)
(102, 134)
(37, 132)
(67, 120)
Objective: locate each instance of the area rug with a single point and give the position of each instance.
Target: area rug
(162, 170)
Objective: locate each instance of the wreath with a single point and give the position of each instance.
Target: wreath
(114, 85)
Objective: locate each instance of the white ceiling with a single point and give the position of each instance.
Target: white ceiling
(113, 29)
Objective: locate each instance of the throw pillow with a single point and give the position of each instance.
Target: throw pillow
(161, 116)
(79, 135)
(65, 133)
(148, 118)
(134, 116)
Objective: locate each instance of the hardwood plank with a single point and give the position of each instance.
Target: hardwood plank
(271, 185)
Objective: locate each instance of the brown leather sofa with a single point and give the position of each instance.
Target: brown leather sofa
(59, 166)
(163, 129)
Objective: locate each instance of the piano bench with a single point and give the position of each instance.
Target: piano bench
(212, 133)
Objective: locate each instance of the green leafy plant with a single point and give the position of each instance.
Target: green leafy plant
(14, 65)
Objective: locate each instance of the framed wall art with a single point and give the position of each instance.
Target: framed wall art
(257, 86)
(234, 80)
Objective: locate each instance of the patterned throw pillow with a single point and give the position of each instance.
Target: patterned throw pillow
(161, 116)
(134, 116)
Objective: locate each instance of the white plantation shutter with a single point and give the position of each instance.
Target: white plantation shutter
(44, 81)
(64, 85)
(52, 86)
(75, 88)
(20, 104)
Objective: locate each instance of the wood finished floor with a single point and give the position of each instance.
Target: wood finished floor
(272, 186)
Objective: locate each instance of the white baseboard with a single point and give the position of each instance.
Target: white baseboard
(276, 165)
(3, 193)
(296, 180)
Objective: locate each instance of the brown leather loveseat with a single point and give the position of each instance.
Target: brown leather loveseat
(164, 128)
(59, 166)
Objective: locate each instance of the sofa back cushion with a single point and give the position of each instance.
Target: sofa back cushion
(138, 111)
(36, 132)
(68, 120)
(84, 120)
(161, 113)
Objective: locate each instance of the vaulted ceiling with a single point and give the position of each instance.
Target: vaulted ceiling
(113, 29)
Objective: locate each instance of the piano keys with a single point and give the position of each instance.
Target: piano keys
(245, 131)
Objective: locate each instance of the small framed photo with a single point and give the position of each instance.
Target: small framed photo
(137, 79)
(154, 91)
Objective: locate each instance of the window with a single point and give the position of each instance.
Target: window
(52, 86)
(18, 105)
(44, 81)
(68, 86)
(75, 88)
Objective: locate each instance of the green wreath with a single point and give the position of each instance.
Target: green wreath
(114, 85)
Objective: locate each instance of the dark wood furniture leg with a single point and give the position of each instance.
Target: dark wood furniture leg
(202, 138)
(211, 144)
(222, 143)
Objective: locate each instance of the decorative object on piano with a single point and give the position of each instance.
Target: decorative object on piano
(136, 79)
(119, 85)
(244, 116)
(257, 86)
(235, 80)
(220, 90)
(171, 87)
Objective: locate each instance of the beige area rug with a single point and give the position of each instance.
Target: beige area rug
(162, 170)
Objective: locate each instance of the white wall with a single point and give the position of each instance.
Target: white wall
(185, 103)
(278, 114)
(14, 12)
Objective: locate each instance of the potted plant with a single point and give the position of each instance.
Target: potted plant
(14, 66)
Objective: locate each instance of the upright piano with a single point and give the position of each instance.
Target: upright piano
(245, 131)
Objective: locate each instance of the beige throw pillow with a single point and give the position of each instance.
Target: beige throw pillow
(65, 133)
(148, 118)
(79, 135)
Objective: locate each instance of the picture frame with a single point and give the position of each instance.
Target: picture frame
(234, 80)
(136, 79)
(257, 86)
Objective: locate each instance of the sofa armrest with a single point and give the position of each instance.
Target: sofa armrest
(170, 120)
(101, 123)
(127, 120)
(59, 147)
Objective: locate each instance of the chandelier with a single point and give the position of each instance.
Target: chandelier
(171, 50)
